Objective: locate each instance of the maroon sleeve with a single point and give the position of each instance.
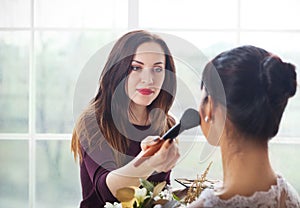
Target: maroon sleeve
(94, 169)
(98, 164)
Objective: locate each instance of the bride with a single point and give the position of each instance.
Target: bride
(257, 86)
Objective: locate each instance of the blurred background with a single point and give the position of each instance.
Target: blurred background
(44, 45)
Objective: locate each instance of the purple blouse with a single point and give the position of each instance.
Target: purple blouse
(94, 169)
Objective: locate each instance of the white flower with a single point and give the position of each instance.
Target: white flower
(140, 194)
(165, 194)
(115, 205)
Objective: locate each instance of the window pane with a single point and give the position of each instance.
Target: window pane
(270, 14)
(14, 13)
(188, 85)
(282, 44)
(284, 158)
(57, 175)
(60, 58)
(14, 48)
(81, 13)
(209, 43)
(14, 173)
(192, 14)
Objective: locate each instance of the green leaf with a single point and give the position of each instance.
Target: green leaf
(180, 194)
(148, 203)
(175, 197)
(146, 184)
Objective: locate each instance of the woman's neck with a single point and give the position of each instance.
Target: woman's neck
(138, 115)
(246, 167)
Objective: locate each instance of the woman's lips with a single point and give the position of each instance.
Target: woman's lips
(145, 91)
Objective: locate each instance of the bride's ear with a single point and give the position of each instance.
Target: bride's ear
(207, 109)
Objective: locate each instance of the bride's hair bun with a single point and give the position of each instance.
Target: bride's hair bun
(278, 77)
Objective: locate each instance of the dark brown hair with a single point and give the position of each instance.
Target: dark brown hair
(257, 86)
(97, 121)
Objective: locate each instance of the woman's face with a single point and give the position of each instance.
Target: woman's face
(147, 74)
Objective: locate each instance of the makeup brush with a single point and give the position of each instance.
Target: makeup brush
(189, 119)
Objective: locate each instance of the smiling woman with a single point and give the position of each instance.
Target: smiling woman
(140, 73)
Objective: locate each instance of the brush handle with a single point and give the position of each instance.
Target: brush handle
(170, 134)
(149, 152)
(189, 119)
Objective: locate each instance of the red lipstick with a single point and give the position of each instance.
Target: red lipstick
(145, 91)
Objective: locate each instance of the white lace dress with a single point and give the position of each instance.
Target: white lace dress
(282, 195)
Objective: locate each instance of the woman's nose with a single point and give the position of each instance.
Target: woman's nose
(147, 76)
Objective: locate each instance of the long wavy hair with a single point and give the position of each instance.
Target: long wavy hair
(106, 117)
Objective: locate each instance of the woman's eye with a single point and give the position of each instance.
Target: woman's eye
(135, 68)
(157, 69)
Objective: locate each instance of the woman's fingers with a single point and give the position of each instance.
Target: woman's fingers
(173, 156)
(166, 158)
(149, 141)
(165, 155)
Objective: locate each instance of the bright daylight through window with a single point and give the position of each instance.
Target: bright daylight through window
(44, 45)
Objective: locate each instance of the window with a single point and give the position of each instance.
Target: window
(44, 45)
(43, 48)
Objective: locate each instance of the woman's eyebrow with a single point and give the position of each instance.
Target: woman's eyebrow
(160, 62)
(139, 62)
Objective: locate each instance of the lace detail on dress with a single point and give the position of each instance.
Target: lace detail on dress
(280, 195)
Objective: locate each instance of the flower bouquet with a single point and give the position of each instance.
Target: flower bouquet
(150, 195)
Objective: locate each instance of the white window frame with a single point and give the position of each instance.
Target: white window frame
(32, 137)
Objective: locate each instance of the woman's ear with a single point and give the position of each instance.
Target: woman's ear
(207, 110)
(210, 107)
(206, 113)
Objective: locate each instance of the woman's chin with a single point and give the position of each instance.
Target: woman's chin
(143, 103)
